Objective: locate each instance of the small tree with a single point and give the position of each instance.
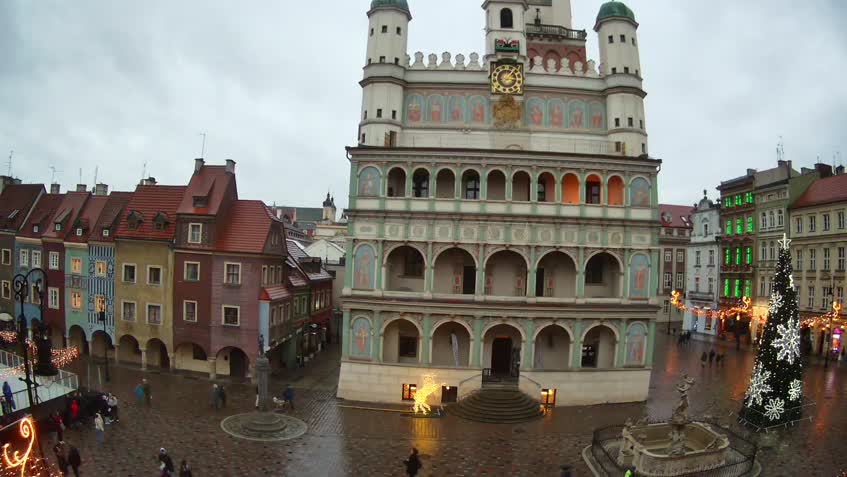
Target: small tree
(775, 393)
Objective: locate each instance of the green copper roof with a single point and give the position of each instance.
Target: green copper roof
(401, 4)
(613, 10)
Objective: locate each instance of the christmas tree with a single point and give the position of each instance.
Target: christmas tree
(775, 394)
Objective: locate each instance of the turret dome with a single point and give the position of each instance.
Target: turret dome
(401, 4)
(611, 10)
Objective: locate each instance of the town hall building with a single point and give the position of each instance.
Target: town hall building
(503, 218)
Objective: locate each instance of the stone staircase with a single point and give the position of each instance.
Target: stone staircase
(503, 404)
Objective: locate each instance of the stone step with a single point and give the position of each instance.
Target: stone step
(504, 406)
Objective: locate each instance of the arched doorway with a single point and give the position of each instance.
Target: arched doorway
(496, 188)
(603, 274)
(570, 189)
(396, 183)
(552, 348)
(593, 190)
(501, 349)
(157, 354)
(520, 187)
(191, 357)
(420, 184)
(233, 362)
(128, 350)
(401, 342)
(546, 188)
(405, 270)
(598, 347)
(76, 338)
(100, 342)
(445, 184)
(470, 185)
(615, 188)
(556, 276)
(455, 273)
(451, 345)
(505, 274)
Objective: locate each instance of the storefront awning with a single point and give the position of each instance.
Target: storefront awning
(6, 317)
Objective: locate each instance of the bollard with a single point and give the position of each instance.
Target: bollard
(566, 471)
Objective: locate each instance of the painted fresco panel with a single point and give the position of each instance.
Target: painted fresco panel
(639, 276)
(364, 262)
(361, 338)
(639, 192)
(369, 182)
(636, 344)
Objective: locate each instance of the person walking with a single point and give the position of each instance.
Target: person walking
(57, 427)
(222, 394)
(184, 469)
(75, 413)
(413, 463)
(7, 394)
(148, 393)
(288, 395)
(61, 459)
(99, 428)
(139, 393)
(113, 408)
(166, 464)
(703, 359)
(74, 460)
(215, 397)
(711, 357)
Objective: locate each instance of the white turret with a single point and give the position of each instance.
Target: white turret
(505, 20)
(616, 30)
(382, 96)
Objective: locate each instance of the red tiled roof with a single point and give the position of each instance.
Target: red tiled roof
(824, 191)
(675, 215)
(20, 198)
(111, 215)
(68, 210)
(296, 253)
(247, 229)
(275, 293)
(40, 215)
(211, 182)
(148, 201)
(296, 279)
(87, 219)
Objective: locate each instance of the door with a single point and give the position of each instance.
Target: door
(539, 282)
(237, 364)
(469, 281)
(501, 355)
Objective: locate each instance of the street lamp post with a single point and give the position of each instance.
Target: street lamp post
(829, 298)
(22, 291)
(101, 316)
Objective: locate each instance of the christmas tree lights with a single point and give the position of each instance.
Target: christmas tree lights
(774, 396)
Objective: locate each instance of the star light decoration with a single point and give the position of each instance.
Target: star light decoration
(788, 343)
(775, 303)
(758, 385)
(795, 390)
(422, 394)
(774, 408)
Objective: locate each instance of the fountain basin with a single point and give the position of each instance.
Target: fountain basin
(647, 447)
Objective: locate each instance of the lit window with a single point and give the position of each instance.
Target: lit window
(548, 397)
(409, 391)
(76, 301)
(76, 265)
(100, 268)
(100, 304)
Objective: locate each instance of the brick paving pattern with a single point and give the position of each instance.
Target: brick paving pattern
(342, 441)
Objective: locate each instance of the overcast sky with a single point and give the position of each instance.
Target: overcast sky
(116, 85)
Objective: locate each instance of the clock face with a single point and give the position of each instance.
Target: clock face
(507, 79)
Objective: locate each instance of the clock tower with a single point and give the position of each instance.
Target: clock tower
(505, 26)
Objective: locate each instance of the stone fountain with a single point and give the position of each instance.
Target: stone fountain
(677, 447)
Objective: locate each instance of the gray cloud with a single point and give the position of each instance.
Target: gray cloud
(115, 85)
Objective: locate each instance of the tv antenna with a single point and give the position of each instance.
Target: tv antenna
(144, 171)
(11, 153)
(780, 150)
(203, 147)
(96, 171)
(53, 174)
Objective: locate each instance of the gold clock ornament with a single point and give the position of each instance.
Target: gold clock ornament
(507, 79)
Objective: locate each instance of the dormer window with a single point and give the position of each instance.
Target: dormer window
(35, 229)
(160, 221)
(133, 220)
(79, 231)
(105, 232)
(200, 202)
(57, 227)
(195, 233)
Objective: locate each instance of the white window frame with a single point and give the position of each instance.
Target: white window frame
(97, 265)
(798, 224)
(53, 260)
(6, 289)
(697, 257)
(23, 258)
(841, 258)
(825, 222)
(680, 281)
(134, 273)
(134, 310)
(7, 256)
(75, 295)
(226, 266)
(840, 215)
(151, 267)
(826, 256)
(185, 311)
(668, 256)
(76, 270)
(680, 255)
(199, 233)
(98, 298)
(185, 271)
(51, 303)
(711, 258)
(147, 314)
(668, 280)
(36, 259)
(223, 315)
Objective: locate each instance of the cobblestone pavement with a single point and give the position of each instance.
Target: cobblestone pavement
(343, 441)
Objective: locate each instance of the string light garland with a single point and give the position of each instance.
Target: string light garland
(59, 357)
(714, 314)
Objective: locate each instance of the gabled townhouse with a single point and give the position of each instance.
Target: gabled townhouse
(53, 241)
(77, 295)
(29, 251)
(318, 303)
(17, 201)
(144, 275)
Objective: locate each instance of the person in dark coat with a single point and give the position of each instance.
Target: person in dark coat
(61, 459)
(222, 392)
(413, 463)
(166, 464)
(184, 469)
(148, 393)
(75, 413)
(703, 359)
(74, 460)
(215, 397)
(288, 395)
(711, 357)
(7, 394)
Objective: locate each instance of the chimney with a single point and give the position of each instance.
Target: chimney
(150, 181)
(54, 188)
(825, 170)
(750, 172)
(839, 170)
(101, 189)
(198, 163)
(230, 166)
(81, 188)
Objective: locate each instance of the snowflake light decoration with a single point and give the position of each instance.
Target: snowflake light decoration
(774, 408)
(795, 390)
(758, 385)
(788, 343)
(775, 303)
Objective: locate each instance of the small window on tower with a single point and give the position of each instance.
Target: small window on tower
(372, 32)
(630, 122)
(506, 18)
(363, 137)
(641, 123)
(370, 60)
(393, 114)
(623, 38)
(633, 41)
(618, 146)
(385, 28)
(399, 31)
(611, 39)
(626, 69)
(617, 122)
(614, 71)
(382, 59)
(379, 113)
(365, 116)
(643, 148)
(396, 60)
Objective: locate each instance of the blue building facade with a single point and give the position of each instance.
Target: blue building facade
(101, 286)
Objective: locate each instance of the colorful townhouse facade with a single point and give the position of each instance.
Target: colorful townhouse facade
(17, 202)
(674, 238)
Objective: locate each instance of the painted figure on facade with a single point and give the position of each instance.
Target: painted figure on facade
(362, 337)
(556, 114)
(363, 268)
(536, 116)
(414, 109)
(639, 278)
(477, 107)
(369, 180)
(577, 115)
(639, 191)
(636, 339)
(457, 109)
(436, 105)
(597, 116)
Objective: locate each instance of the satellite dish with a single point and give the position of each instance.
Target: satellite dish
(6, 317)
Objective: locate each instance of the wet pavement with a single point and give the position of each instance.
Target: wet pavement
(343, 441)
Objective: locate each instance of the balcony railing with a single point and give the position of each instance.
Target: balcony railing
(556, 31)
